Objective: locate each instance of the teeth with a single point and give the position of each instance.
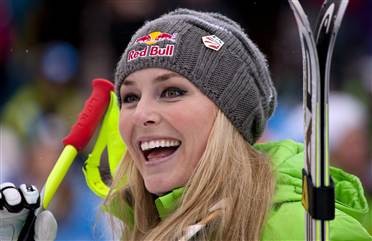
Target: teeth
(147, 145)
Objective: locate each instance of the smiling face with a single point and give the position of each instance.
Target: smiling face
(165, 122)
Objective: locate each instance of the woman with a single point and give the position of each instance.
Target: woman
(189, 116)
(195, 94)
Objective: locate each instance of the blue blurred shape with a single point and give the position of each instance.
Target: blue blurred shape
(60, 62)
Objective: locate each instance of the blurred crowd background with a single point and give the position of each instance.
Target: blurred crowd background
(50, 51)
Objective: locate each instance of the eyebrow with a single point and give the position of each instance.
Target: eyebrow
(159, 78)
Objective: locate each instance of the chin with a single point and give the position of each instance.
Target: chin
(157, 188)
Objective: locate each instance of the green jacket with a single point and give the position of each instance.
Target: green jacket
(286, 220)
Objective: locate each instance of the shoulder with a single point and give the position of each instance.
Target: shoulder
(282, 148)
(286, 218)
(286, 221)
(283, 154)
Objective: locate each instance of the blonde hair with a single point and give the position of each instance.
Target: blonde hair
(230, 169)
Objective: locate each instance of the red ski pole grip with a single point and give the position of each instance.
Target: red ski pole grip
(89, 118)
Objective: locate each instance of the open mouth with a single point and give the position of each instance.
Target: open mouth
(158, 149)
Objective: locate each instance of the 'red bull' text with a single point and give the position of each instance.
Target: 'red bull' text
(151, 51)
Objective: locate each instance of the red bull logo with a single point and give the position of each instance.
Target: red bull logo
(151, 51)
(155, 37)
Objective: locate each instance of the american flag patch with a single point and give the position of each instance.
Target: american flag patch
(212, 42)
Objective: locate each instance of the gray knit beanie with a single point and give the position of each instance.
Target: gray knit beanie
(214, 53)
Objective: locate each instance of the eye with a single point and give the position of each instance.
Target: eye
(173, 92)
(129, 98)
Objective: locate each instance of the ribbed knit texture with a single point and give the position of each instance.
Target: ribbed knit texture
(235, 78)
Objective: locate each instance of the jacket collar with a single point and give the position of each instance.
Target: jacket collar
(169, 202)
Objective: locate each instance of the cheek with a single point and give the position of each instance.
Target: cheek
(125, 127)
(195, 124)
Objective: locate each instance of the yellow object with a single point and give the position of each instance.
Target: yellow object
(305, 195)
(58, 173)
(108, 139)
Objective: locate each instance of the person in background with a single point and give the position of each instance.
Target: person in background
(349, 142)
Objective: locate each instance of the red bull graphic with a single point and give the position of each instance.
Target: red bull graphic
(143, 39)
(151, 51)
(155, 37)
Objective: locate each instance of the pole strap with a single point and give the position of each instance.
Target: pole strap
(319, 202)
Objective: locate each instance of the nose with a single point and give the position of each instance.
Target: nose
(146, 113)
